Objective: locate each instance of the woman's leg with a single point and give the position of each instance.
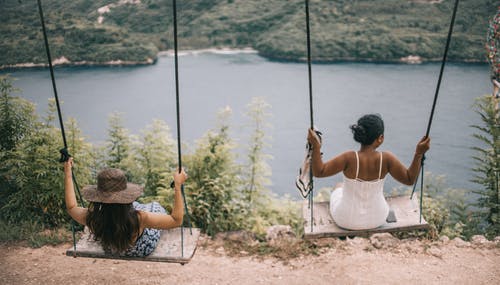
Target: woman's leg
(335, 197)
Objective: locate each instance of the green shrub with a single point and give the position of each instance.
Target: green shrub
(487, 166)
(32, 172)
(33, 233)
(156, 156)
(213, 183)
(448, 211)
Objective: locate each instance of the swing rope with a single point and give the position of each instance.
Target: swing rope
(177, 104)
(441, 71)
(64, 151)
(309, 72)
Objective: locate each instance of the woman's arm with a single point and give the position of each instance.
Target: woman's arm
(331, 167)
(399, 171)
(79, 214)
(496, 88)
(162, 221)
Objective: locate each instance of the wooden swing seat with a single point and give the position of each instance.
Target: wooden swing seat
(406, 211)
(168, 248)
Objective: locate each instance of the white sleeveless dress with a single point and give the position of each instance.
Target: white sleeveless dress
(359, 204)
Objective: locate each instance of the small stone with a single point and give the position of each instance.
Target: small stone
(481, 241)
(359, 240)
(434, 251)
(383, 240)
(444, 239)
(496, 240)
(478, 239)
(460, 243)
(279, 232)
(220, 250)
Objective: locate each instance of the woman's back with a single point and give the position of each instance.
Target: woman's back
(360, 204)
(365, 165)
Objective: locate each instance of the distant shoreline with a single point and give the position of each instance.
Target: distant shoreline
(223, 50)
(63, 61)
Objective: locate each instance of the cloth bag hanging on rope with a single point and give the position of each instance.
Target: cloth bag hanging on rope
(303, 182)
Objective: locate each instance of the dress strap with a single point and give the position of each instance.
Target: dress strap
(380, 167)
(357, 164)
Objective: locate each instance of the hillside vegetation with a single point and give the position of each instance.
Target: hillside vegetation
(100, 31)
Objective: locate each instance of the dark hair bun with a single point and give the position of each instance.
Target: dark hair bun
(368, 129)
(359, 132)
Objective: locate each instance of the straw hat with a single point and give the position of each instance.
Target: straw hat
(112, 187)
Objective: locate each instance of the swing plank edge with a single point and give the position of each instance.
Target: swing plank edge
(406, 211)
(167, 250)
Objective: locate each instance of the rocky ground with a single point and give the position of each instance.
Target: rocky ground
(381, 259)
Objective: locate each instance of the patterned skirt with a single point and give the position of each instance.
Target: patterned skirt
(149, 238)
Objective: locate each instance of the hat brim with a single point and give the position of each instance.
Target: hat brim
(127, 196)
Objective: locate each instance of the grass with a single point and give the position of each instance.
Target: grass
(282, 249)
(33, 234)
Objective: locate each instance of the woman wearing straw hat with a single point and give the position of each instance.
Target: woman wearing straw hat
(120, 224)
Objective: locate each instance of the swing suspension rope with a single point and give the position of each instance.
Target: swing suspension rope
(443, 62)
(64, 151)
(309, 72)
(441, 71)
(177, 104)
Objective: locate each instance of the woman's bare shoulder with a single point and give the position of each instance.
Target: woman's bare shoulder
(387, 153)
(389, 157)
(348, 153)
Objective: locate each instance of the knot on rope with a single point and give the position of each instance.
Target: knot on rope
(64, 155)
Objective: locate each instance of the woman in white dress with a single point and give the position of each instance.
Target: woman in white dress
(360, 203)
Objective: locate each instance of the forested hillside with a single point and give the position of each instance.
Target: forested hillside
(100, 31)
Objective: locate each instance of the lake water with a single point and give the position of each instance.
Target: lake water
(343, 92)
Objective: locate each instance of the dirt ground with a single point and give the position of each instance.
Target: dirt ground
(356, 261)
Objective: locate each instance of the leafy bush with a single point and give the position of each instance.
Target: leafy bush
(31, 170)
(447, 211)
(213, 183)
(218, 190)
(34, 233)
(487, 166)
(156, 156)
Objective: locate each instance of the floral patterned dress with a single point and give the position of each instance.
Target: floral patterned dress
(149, 238)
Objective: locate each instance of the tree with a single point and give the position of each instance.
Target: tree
(487, 165)
(118, 146)
(257, 170)
(156, 156)
(213, 181)
(39, 191)
(16, 116)
(82, 152)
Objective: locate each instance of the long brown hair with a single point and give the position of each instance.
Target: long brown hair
(113, 225)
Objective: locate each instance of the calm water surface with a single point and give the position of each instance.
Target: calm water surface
(402, 94)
